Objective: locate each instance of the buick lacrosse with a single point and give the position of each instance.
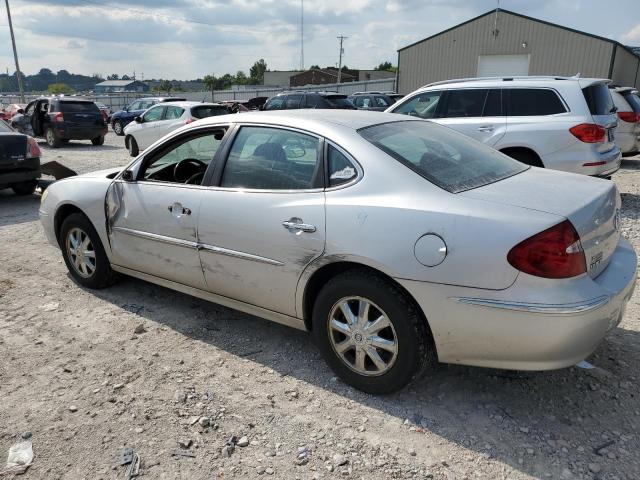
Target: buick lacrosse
(395, 241)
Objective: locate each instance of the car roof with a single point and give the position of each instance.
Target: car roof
(67, 99)
(192, 104)
(529, 81)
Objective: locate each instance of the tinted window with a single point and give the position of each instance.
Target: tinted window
(314, 101)
(71, 107)
(339, 101)
(465, 103)
(423, 105)
(275, 103)
(526, 102)
(341, 170)
(442, 156)
(208, 111)
(362, 101)
(493, 104)
(598, 99)
(135, 106)
(153, 114)
(173, 112)
(382, 102)
(30, 108)
(272, 159)
(633, 101)
(293, 102)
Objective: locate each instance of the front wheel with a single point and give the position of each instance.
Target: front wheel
(118, 128)
(370, 332)
(98, 140)
(84, 254)
(132, 146)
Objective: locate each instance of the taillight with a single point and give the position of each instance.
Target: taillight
(553, 253)
(589, 132)
(631, 117)
(33, 150)
(189, 120)
(59, 117)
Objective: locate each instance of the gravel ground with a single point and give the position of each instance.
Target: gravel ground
(203, 392)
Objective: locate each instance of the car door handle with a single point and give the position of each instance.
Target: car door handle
(298, 226)
(486, 128)
(179, 209)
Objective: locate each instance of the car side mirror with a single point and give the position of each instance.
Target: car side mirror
(127, 176)
(138, 119)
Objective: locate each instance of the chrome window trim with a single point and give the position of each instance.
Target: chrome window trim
(538, 308)
(236, 254)
(158, 238)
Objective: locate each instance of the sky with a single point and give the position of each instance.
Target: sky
(187, 39)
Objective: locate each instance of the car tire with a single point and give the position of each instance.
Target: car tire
(407, 345)
(78, 254)
(24, 188)
(525, 156)
(132, 146)
(98, 140)
(50, 136)
(118, 128)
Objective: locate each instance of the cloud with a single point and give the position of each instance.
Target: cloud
(632, 37)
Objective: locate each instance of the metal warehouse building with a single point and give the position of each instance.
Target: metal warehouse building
(504, 43)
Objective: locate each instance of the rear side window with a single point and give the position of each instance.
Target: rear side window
(314, 101)
(339, 101)
(78, 107)
(633, 100)
(341, 170)
(208, 111)
(598, 99)
(383, 101)
(173, 112)
(445, 158)
(527, 102)
(275, 103)
(293, 102)
(465, 103)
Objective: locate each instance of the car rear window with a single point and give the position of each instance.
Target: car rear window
(633, 100)
(598, 99)
(339, 101)
(528, 102)
(77, 107)
(445, 158)
(208, 111)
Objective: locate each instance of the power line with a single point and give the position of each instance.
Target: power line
(15, 53)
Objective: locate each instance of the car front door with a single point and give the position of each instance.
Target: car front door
(147, 131)
(476, 112)
(263, 219)
(152, 218)
(172, 120)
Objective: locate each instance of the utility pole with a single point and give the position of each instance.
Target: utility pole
(301, 34)
(15, 54)
(342, 38)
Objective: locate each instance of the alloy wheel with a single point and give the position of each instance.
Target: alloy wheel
(362, 336)
(81, 253)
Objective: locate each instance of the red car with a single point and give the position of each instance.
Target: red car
(10, 110)
(105, 111)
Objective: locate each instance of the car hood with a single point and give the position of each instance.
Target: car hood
(100, 173)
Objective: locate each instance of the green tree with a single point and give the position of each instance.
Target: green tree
(210, 82)
(315, 67)
(113, 76)
(57, 88)
(386, 67)
(256, 72)
(241, 78)
(166, 86)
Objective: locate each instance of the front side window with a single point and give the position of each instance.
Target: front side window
(185, 161)
(465, 103)
(173, 112)
(446, 158)
(382, 102)
(153, 114)
(341, 170)
(275, 103)
(272, 159)
(422, 105)
(147, 104)
(30, 109)
(527, 102)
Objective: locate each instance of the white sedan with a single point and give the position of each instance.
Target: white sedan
(396, 241)
(164, 118)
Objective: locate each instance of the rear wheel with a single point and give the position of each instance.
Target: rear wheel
(98, 140)
(84, 254)
(524, 156)
(118, 128)
(24, 188)
(51, 138)
(370, 332)
(132, 146)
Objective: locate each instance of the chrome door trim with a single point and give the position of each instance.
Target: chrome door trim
(281, 318)
(236, 254)
(157, 238)
(547, 309)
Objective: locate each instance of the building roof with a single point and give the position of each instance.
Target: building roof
(117, 83)
(332, 72)
(502, 10)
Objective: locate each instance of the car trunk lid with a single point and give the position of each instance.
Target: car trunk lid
(13, 149)
(592, 205)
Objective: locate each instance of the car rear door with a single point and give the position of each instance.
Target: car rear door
(476, 112)
(263, 219)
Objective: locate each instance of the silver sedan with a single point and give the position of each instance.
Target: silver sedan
(395, 241)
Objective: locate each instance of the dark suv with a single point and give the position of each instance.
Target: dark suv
(376, 102)
(295, 100)
(124, 117)
(60, 119)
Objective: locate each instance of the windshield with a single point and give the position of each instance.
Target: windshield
(446, 158)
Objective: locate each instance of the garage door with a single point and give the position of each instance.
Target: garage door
(502, 65)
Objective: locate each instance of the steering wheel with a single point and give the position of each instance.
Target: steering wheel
(184, 169)
(195, 179)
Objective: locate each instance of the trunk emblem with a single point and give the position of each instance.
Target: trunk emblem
(595, 260)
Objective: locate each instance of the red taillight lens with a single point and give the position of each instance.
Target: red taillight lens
(553, 253)
(59, 117)
(588, 132)
(631, 117)
(33, 150)
(189, 120)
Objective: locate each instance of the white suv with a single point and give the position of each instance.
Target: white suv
(628, 132)
(563, 123)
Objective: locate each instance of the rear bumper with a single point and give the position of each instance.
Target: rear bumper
(628, 141)
(574, 159)
(66, 132)
(534, 324)
(28, 170)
